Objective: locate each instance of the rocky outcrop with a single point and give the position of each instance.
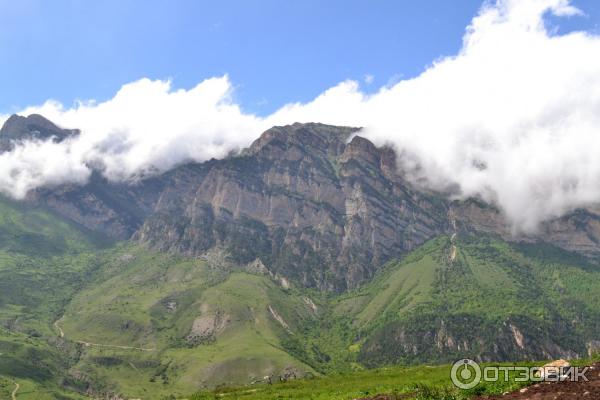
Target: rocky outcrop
(446, 338)
(115, 210)
(18, 129)
(207, 327)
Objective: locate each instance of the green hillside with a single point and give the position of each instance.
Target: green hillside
(44, 261)
(192, 324)
(494, 301)
(79, 314)
(406, 383)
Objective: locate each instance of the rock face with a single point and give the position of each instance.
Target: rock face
(19, 129)
(207, 327)
(115, 210)
(312, 207)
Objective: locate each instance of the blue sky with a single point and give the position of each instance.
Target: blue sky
(274, 51)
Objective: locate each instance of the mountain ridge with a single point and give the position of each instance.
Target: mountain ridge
(317, 204)
(17, 130)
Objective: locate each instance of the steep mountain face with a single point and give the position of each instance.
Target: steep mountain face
(19, 129)
(113, 209)
(309, 205)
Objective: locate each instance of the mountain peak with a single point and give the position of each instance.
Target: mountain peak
(312, 135)
(18, 129)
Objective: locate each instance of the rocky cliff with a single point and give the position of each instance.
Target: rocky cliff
(314, 203)
(18, 129)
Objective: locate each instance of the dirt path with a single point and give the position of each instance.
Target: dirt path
(453, 248)
(61, 333)
(558, 390)
(13, 395)
(112, 346)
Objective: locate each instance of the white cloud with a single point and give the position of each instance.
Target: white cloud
(513, 117)
(147, 126)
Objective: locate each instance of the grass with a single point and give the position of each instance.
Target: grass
(408, 285)
(131, 309)
(44, 261)
(34, 364)
(33, 390)
(419, 382)
(340, 386)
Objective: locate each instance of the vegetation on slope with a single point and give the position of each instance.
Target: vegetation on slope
(44, 261)
(148, 324)
(406, 383)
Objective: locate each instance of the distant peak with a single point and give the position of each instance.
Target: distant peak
(314, 135)
(16, 121)
(18, 129)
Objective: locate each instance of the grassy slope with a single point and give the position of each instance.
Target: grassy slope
(131, 308)
(125, 295)
(118, 295)
(43, 262)
(420, 383)
(490, 283)
(490, 279)
(537, 288)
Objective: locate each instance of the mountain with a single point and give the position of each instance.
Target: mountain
(493, 300)
(44, 261)
(18, 129)
(305, 254)
(577, 230)
(316, 204)
(309, 204)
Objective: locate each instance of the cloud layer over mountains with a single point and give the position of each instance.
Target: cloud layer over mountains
(514, 117)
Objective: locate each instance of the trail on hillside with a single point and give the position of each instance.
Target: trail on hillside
(13, 395)
(112, 346)
(453, 248)
(61, 333)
